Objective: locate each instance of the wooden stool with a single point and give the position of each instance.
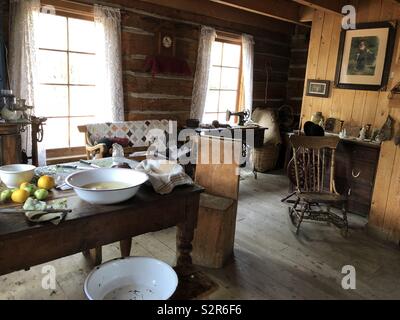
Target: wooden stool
(215, 233)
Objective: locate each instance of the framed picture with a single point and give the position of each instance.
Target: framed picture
(318, 88)
(365, 55)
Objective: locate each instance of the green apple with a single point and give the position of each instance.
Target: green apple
(30, 188)
(5, 195)
(41, 194)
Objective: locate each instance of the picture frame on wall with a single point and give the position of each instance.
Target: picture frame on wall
(318, 88)
(365, 56)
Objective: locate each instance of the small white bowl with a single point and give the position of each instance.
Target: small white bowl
(12, 175)
(132, 278)
(106, 196)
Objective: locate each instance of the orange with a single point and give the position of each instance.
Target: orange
(20, 196)
(46, 182)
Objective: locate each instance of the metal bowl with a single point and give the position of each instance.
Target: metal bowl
(131, 177)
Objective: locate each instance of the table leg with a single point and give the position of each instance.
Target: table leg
(185, 232)
(125, 247)
(94, 255)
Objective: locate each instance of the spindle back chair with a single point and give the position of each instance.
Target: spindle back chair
(314, 166)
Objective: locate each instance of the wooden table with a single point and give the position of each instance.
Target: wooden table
(88, 226)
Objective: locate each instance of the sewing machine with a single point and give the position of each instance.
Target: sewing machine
(243, 116)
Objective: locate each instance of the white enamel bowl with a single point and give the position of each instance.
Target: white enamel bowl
(132, 278)
(13, 175)
(107, 196)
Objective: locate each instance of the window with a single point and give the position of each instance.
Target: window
(67, 65)
(223, 85)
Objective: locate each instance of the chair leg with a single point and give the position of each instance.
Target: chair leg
(345, 229)
(292, 210)
(303, 210)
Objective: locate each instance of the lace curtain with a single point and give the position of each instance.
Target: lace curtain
(247, 69)
(24, 15)
(200, 85)
(108, 31)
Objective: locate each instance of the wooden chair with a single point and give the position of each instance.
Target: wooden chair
(314, 166)
(214, 237)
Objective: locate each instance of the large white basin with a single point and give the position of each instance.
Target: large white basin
(108, 196)
(132, 278)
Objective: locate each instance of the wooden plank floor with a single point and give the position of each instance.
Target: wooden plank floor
(270, 262)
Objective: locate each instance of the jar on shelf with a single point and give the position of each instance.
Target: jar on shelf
(317, 117)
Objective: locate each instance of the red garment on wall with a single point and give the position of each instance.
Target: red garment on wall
(163, 64)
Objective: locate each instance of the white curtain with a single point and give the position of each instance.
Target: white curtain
(247, 69)
(110, 92)
(24, 15)
(200, 85)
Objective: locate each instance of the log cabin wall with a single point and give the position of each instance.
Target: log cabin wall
(164, 96)
(357, 107)
(159, 96)
(169, 96)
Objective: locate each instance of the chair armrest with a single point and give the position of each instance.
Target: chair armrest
(99, 150)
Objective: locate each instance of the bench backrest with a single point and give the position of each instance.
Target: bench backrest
(139, 133)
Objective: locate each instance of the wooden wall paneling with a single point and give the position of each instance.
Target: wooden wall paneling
(358, 108)
(370, 107)
(331, 66)
(323, 58)
(391, 216)
(346, 105)
(312, 62)
(375, 7)
(382, 185)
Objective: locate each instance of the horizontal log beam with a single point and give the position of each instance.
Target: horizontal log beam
(223, 12)
(331, 6)
(282, 10)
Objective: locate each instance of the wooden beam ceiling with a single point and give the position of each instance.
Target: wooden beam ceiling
(227, 13)
(284, 10)
(332, 6)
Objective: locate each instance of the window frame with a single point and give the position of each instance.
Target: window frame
(230, 38)
(68, 10)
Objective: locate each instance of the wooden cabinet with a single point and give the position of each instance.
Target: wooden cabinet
(356, 164)
(10, 144)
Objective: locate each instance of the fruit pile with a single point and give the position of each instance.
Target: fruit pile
(27, 189)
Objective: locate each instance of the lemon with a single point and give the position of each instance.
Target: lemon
(46, 182)
(20, 196)
(23, 185)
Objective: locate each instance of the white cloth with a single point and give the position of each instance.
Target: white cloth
(200, 85)
(164, 175)
(23, 57)
(39, 217)
(108, 52)
(247, 69)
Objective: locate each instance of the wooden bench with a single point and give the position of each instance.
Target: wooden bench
(139, 135)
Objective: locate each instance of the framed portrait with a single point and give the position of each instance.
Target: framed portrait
(365, 55)
(318, 88)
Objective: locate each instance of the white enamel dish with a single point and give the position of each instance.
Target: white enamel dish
(13, 175)
(132, 278)
(106, 196)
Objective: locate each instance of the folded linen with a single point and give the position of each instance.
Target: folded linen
(164, 175)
